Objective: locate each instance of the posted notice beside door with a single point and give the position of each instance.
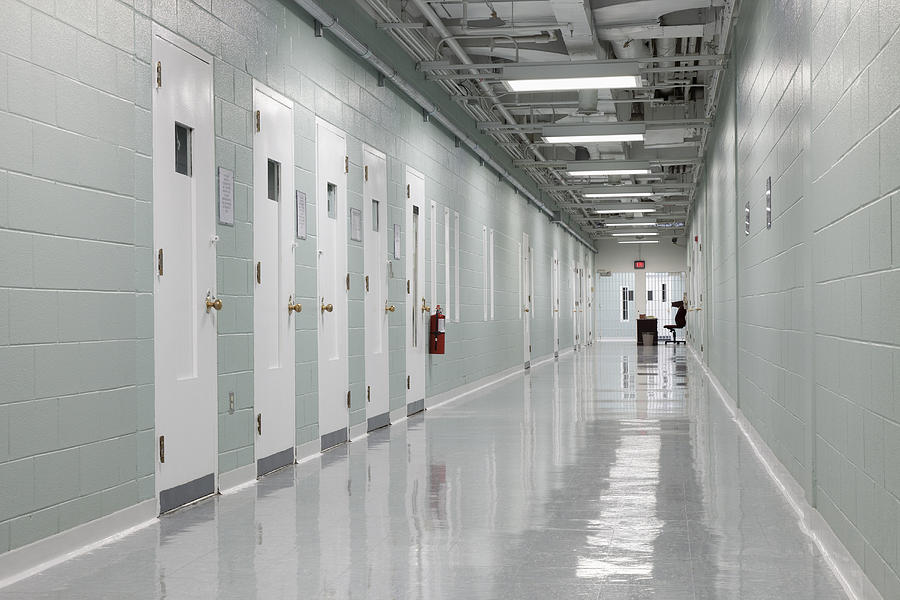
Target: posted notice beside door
(300, 200)
(226, 197)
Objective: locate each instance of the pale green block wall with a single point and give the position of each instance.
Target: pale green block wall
(76, 236)
(76, 410)
(815, 326)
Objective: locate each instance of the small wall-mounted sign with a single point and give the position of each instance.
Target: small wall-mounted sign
(300, 201)
(226, 197)
(639, 264)
(396, 241)
(355, 224)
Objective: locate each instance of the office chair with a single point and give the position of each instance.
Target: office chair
(680, 322)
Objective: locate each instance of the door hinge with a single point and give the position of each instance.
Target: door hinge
(259, 424)
(407, 190)
(159, 262)
(407, 382)
(366, 172)
(529, 347)
(346, 164)
(367, 283)
(162, 448)
(348, 282)
(259, 272)
(368, 393)
(159, 74)
(348, 399)
(258, 118)
(407, 286)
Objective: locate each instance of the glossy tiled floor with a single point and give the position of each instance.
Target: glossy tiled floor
(611, 474)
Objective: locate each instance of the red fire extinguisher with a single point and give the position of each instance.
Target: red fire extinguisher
(438, 331)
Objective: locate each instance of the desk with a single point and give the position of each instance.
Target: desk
(646, 326)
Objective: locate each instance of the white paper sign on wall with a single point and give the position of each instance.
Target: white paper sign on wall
(396, 240)
(300, 201)
(355, 224)
(226, 197)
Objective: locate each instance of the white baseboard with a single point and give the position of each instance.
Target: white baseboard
(469, 388)
(358, 431)
(846, 570)
(541, 360)
(308, 450)
(398, 414)
(237, 478)
(26, 561)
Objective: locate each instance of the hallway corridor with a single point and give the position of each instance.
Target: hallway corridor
(614, 473)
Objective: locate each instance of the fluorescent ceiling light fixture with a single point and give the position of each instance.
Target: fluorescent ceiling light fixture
(613, 211)
(596, 168)
(640, 242)
(635, 233)
(622, 194)
(609, 172)
(618, 191)
(552, 78)
(631, 224)
(583, 133)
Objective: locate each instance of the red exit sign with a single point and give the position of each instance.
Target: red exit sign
(639, 264)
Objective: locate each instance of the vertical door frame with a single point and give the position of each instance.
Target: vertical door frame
(186, 491)
(416, 360)
(340, 303)
(376, 418)
(287, 455)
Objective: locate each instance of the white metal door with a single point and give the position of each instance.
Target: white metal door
(185, 303)
(554, 300)
(377, 309)
(575, 295)
(526, 297)
(274, 306)
(418, 308)
(331, 279)
(582, 305)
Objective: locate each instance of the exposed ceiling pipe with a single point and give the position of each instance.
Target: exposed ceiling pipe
(463, 57)
(629, 49)
(329, 22)
(665, 47)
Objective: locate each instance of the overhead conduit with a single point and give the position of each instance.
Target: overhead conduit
(330, 23)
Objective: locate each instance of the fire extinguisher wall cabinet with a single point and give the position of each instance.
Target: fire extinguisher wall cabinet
(438, 331)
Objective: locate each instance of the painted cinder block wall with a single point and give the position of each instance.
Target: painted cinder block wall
(810, 100)
(76, 257)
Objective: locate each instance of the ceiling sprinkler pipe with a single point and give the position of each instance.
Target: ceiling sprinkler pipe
(439, 26)
(330, 22)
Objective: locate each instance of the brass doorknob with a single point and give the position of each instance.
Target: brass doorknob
(390, 308)
(424, 307)
(527, 310)
(294, 306)
(327, 307)
(212, 303)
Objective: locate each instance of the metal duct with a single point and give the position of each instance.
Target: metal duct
(587, 101)
(331, 23)
(666, 47)
(631, 49)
